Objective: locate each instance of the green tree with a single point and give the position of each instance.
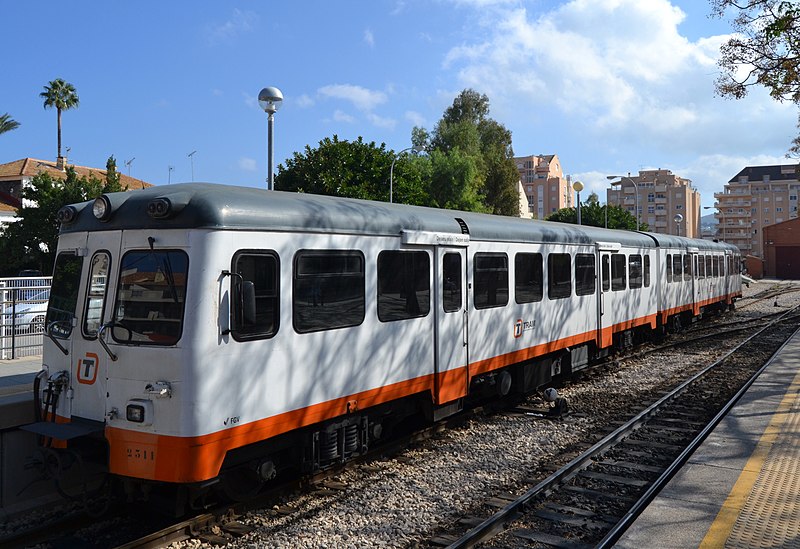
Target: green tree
(7, 123)
(62, 96)
(466, 127)
(763, 51)
(354, 169)
(593, 214)
(30, 242)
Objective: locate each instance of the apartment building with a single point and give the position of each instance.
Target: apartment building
(546, 188)
(661, 198)
(754, 198)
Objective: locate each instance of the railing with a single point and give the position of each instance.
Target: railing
(23, 306)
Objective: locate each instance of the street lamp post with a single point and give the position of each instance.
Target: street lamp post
(721, 217)
(678, 218)
(578, 187)
(270, 100)
(415, 148)
(636, 194)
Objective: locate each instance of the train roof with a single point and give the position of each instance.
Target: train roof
(212, 206)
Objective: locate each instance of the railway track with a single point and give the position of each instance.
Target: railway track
(226, 524)
(590, 501)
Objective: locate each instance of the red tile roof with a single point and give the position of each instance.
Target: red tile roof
(29, 167)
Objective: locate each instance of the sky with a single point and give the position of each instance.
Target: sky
(610, 86)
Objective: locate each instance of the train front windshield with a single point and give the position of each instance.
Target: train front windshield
(150, 297)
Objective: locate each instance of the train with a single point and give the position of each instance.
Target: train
(202, 335)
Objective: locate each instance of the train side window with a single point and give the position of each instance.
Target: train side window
(528, 277)
(635, 270)
(559, 276)
(404, 287)
(257, 281)
(491, 280)
(701, 267)
(451, 277)
(618, 281)
(584, 274)
(677, 264)
(687, 267)
(606, 268)
(709, 268)
(716, 266)
(647, 271)
(96, 294)
(328, 290)
(669, 267)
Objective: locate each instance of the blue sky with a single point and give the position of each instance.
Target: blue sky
(611, 86)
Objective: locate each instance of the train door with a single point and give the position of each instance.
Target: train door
(451, 379)
(694, 281)
(605, 316)
(91, 361)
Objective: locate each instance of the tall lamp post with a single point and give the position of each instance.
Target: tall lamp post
(678, 218)
(270, 100)
(635, 190)
(415, 148)
(721, 217)
(578, 187)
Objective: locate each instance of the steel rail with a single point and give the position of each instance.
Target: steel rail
(496, 522)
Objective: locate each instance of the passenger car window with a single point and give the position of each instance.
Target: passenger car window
(96, 294)
(451, 282)
(255, 307)
(584, 274)
(647, 271)
(328, 290)
(677, 264)
(606, 266)
(687, 267)
(635, 270)
(528, 277)
(559, 276)
(404, 287)
(669, 267)
(618, 281)
(491, 280)
(150, 297)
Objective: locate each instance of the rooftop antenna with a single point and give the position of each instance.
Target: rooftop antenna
(191, 158)
(169, 174)
(128, 163)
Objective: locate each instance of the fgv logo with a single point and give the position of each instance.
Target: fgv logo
(522, 326)
(87, 369)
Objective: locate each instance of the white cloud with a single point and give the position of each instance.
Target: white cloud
(340, 116)
(240, 22)
(415, 118)
(381, 122)
(362, 98)
(304, 101)
(247, 164)
(369, 38)
(617, 70)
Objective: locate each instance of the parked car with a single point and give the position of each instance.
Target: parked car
(27, 316)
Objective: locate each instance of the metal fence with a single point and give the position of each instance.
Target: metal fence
(23, 306)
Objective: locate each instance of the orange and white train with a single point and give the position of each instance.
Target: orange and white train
(197, 331)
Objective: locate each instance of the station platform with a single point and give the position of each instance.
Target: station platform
(16, 390)
(741, 488)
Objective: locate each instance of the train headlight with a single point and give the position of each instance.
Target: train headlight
(67, 215)
(159, 208)
(139, 411)
(102, 208)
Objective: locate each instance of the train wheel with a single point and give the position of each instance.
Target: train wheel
(241, 483)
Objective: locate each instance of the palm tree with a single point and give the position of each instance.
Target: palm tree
(7, 123)
(62, 96)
